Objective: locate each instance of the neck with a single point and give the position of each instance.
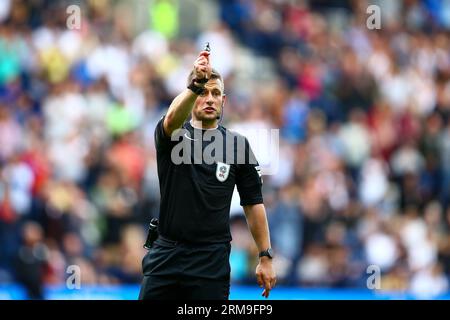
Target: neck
(198, 124)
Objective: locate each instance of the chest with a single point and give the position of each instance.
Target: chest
(217, 175)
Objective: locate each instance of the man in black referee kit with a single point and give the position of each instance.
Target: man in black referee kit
(190, 257)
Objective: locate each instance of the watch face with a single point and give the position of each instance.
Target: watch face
(266, 253)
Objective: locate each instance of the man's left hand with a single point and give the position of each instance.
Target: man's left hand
(265, 275)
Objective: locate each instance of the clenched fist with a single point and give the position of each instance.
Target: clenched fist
(202, 68)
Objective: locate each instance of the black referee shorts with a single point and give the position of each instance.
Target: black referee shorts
(186, 271)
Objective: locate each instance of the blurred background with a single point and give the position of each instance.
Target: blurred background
(364, 160)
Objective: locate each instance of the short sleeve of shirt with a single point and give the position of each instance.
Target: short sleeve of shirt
(162, 141)
(248, 179)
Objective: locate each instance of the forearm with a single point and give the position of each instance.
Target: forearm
(182, 105)
(258, 226)
(179, 110)
(257, 223)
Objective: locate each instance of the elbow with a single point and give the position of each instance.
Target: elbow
(253, 207)
(254, 210)
(249, 209)
(168, 124)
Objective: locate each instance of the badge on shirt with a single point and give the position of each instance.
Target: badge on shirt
(222, 171)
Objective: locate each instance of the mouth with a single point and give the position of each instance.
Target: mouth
(209, 109)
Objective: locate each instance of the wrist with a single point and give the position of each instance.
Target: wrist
(268, 254)
(265, 260)
(197, 86)
(200, 81)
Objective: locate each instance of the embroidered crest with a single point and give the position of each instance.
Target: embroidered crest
(222, 171)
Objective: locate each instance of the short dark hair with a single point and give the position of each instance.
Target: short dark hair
(214, 75)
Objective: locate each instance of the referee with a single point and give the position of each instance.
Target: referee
(190, 257)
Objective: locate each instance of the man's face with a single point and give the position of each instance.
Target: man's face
(208, 105)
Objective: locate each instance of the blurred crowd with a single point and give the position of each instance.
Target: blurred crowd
(364, 150)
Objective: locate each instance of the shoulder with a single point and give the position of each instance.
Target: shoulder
(232, 134)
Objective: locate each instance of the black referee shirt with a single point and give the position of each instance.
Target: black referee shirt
(196, 197)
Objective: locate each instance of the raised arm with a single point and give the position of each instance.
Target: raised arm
(182, 105)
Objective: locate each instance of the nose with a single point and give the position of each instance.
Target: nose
(210, 99)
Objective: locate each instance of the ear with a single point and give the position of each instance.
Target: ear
(224, 98)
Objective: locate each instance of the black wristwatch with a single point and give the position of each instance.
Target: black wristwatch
(198, 90)
(266, 253)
